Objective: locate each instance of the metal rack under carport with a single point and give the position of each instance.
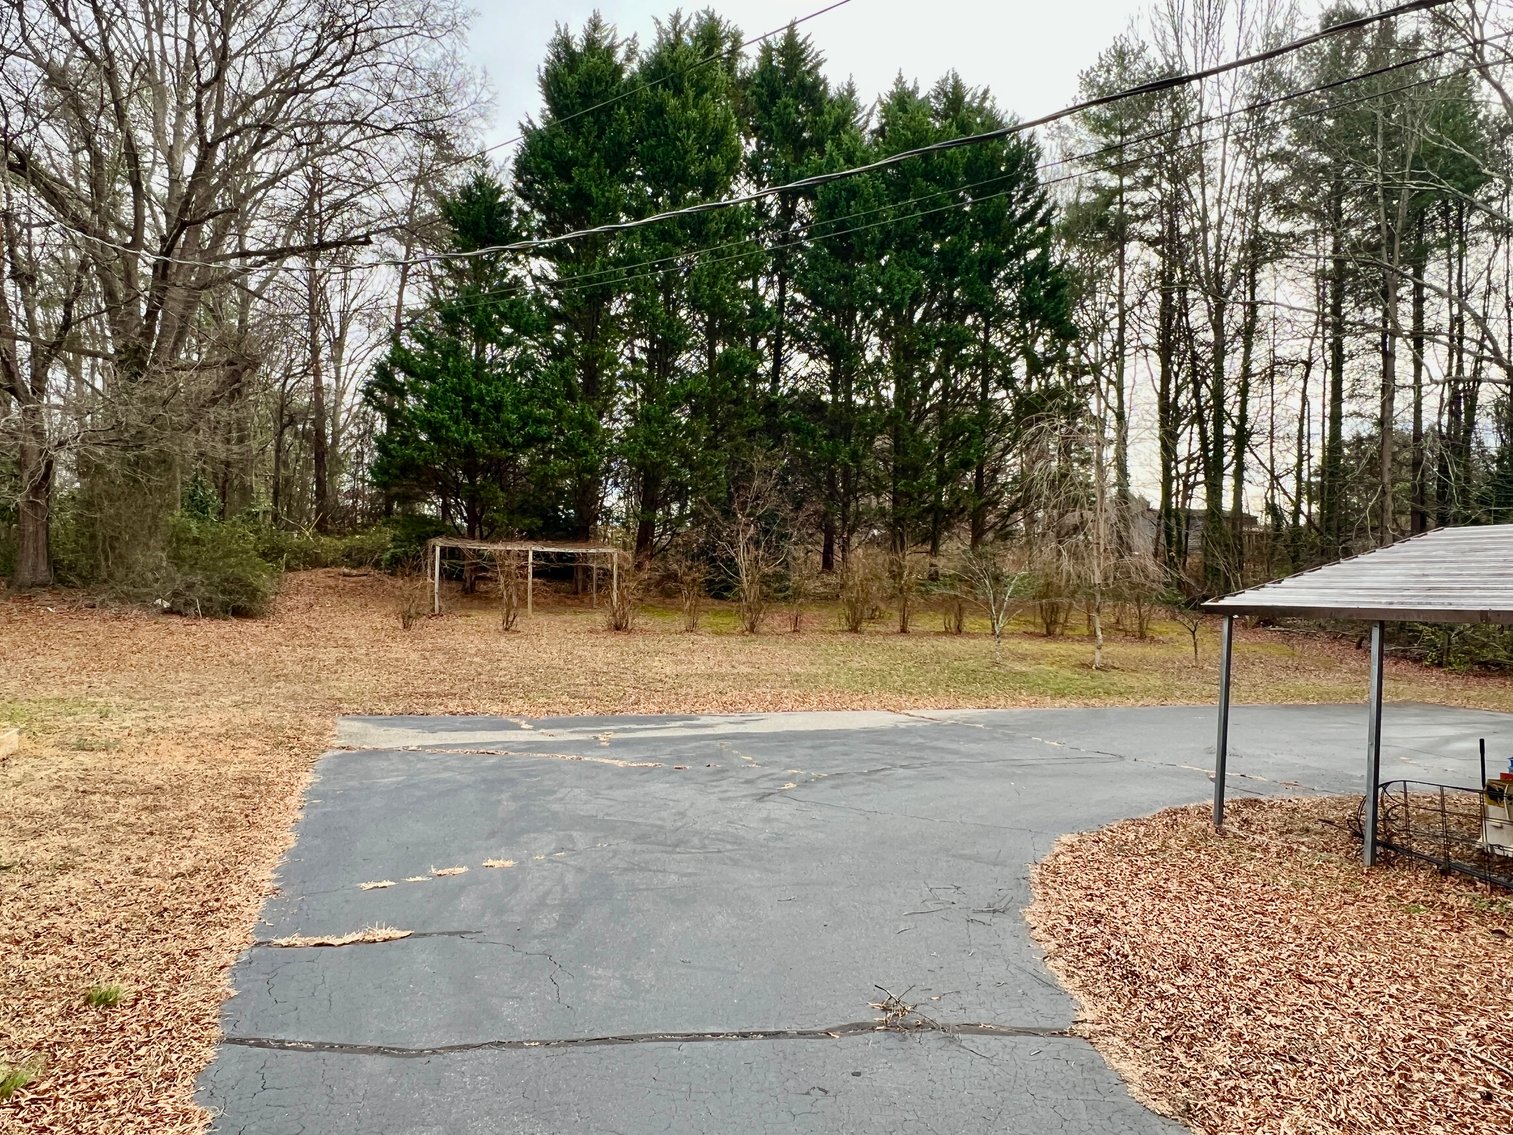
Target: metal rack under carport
(1448, 575)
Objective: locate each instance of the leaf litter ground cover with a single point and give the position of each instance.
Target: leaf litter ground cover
(164, 761)
(1262, 980)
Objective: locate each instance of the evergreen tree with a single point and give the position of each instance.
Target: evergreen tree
(470, 418)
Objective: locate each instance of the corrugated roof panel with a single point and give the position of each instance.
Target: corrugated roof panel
(1448, 575)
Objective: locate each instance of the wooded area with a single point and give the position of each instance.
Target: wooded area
(1193, 337)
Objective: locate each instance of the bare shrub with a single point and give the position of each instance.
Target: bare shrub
(903, 586)
(623, 593)
(510, 581)
(688, 573)
(954, 618)
(802, 585)
(1191, 620)
(411, 600)
(1053, 608)
(858, 592)
(995, 577)
(756, 542)
(1137, 580)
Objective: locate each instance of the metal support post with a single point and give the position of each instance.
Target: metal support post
(1221, 748)
(1373, 748)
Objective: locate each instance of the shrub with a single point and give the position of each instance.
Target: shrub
(294, 549)
(953, 618)
(859, 591)
(412, 600)
(509, 566)
(622, 600)
(297, 549)
(211, 569)
(366, 549)
(407, 536)
(1461, 646)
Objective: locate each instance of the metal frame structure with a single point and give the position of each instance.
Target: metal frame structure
(435, 546)
(1440, 824)
(1449, 575)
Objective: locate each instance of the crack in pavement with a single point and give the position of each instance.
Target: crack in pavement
(438, 750)
(834, 1032)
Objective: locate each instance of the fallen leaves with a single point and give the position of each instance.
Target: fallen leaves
(370, 935)
(147, 852)
(1261, 981)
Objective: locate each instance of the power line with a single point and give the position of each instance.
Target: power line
(1152, 87)
(1000, 133)
(740, 47)
(628, 273)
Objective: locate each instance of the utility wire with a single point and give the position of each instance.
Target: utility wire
(623, 274)
(442, 166)
(1152, 87)
(813, 181)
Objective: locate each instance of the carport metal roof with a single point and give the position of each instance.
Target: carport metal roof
(1449, 575)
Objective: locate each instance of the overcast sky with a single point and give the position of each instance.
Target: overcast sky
(1028, 52)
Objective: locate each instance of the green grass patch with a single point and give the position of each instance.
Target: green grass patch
(14, 1077)
(105, 996)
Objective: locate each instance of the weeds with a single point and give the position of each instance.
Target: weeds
(106, 996)
(14, 1077)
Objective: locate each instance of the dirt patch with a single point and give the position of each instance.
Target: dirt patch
(163, 761)
(1262, 981)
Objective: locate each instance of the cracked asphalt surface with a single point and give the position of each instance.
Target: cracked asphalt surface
(705, 916)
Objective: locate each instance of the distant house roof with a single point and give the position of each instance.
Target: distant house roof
(1448, 575)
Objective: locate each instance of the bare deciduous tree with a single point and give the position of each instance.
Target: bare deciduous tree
(994, 576)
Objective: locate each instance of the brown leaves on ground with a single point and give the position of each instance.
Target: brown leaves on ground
(164, 761)
(1262, 981)
(368, 936)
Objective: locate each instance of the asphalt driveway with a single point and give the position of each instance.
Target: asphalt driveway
(693, 924)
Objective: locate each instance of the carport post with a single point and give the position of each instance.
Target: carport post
(530, 578)
(436, 581)
(1221, 749)
(1373, 748)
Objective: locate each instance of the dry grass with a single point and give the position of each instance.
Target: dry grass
(164, 760)
(367, 936)
(1261, 982)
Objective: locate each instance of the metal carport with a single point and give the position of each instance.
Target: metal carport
(1449, 575)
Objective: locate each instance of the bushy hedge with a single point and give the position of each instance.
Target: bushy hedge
(193, 563)
(207, 568)
(1453, 646)
(299, 550)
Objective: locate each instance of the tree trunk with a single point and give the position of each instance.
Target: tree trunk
(318, 431)
(33, 567)
(1332, 486)
(1419, 518)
